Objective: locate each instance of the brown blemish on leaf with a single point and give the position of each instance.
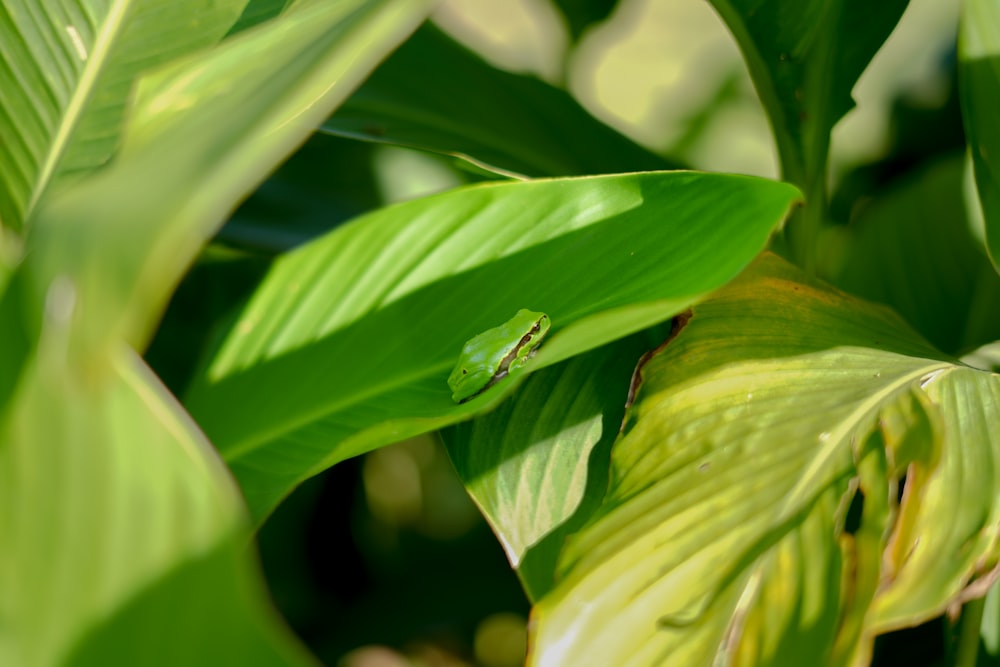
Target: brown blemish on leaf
(678, 323)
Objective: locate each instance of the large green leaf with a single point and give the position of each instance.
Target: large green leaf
(202, 133)
(66, 68)
(804, 57)
(980, 81)
(537, 466)
(911, 248)
(504, 121)
(723, 535)
(121, 531)
(114, 514)
(361, 328)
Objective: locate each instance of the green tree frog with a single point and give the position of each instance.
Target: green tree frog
(497, 353)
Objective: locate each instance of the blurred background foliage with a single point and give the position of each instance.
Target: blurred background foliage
(427, 583)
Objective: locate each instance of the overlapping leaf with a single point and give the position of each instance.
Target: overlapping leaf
(326, 182)
(986, 357)
(980, 79)
(505, 122)
(723, 533)
(258, 11)
(203, 132)
(989, 647)
(360, 329)
(537, 466)
(581, 14)
(122, 533)
(106, 489)
(804, 57)
(16, 342)
(66, 68)
(911, 248)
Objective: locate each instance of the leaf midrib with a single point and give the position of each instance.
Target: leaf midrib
(96, 58)
(848, 425)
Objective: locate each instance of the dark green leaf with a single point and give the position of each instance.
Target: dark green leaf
(210, 127)
(979, 75)
(505, 121)
(989, 648)
(912, 249)
(258, 11)
(323, 184)
(804, 57)
(580, 14)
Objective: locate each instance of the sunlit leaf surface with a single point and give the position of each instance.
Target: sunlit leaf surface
(361, 328)
(723, 533)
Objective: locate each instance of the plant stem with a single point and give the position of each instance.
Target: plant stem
(967, 646)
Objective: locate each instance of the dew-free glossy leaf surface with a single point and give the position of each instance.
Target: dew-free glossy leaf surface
(504, 121)
(979, 75)
(347, 345)
(723, 530)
